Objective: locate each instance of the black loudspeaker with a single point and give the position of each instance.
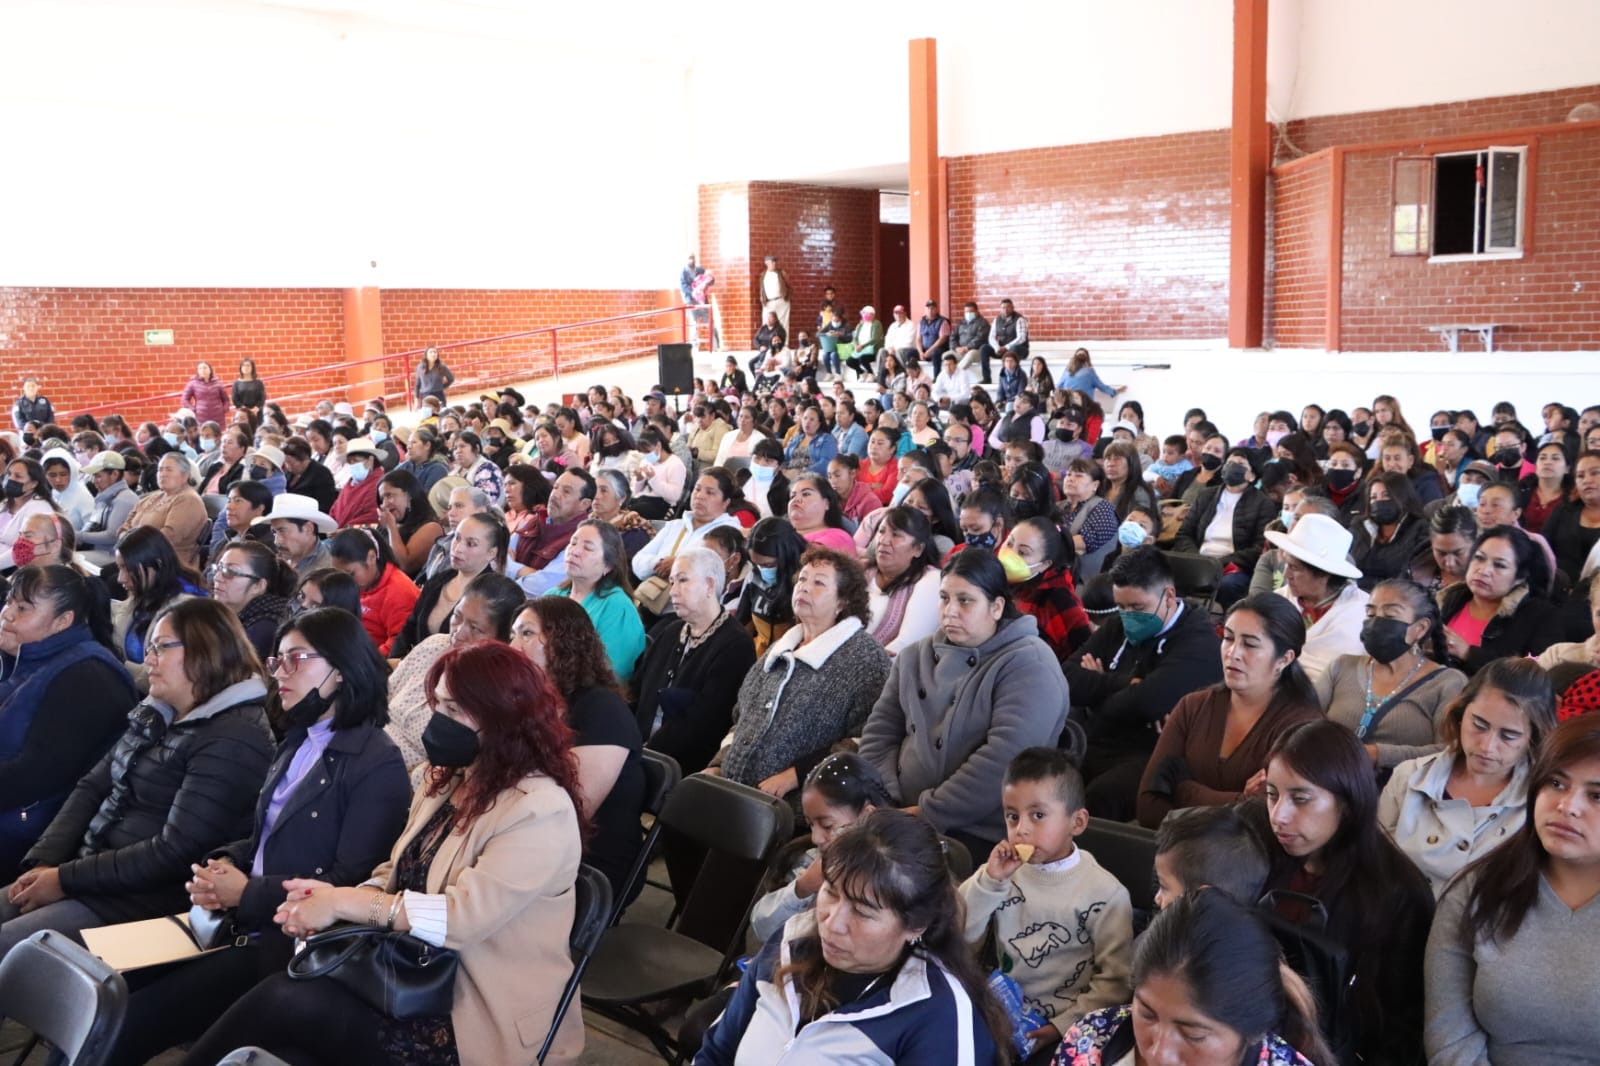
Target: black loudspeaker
(676, 368)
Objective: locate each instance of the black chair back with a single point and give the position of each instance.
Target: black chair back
(590, 918)
(661, 776)
(1196, 576)
(68, 997)
(738, 831)
(1128, 852)
(957, 858)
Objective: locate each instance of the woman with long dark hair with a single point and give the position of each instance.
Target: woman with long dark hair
(249, 391)
(149, 572)
(557, 636)
(1524, 917)
(881, 957)
(764, 606)
(484, 867)
(903, 580)
(1209, 986)
(1323, 842)
(1213, 747)
(387, 595)
(407, 520)
(1500, 609)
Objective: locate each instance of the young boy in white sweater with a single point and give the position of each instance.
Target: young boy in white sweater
(1063, 925)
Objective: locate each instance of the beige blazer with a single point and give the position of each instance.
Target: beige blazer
(507, 883)
(181, 518)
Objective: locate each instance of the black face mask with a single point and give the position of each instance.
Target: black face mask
(1234, 474)
(1508, 457)
(449, 743)
(1439, 432)
(30, 439)
(1384, 512)
(1385, 638)
(1340, 478)
(259, 473)
(304, 714)
(1210, 462)
(12, 488)
(1067, 435)
(1359, 429)
(1023, 509)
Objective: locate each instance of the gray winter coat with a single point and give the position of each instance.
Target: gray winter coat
(952, 718)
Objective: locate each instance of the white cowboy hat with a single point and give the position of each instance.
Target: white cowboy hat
(363, 446)
(271, 454)
(1320, 541)
(297, 508)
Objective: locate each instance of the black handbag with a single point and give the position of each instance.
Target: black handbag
(395, 973)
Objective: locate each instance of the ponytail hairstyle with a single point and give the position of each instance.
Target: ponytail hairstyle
(845, 779)
(895, 861)
(65, 589)
(1287, 632)
(264, 566)
(1233, 970)
(1426, 609)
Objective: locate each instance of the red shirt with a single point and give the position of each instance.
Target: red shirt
(386, 606)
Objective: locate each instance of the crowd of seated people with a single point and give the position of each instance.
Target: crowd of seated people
(337, 667)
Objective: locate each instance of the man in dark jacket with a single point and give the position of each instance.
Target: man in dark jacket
(1154, 651)
(972, 340)
(1228, 523)
(31, 407)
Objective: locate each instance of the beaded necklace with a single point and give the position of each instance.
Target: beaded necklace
(1373, 703)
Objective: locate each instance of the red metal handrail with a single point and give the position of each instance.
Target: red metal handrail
(465, 376)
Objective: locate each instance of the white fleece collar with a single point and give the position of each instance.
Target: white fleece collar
(817, 652)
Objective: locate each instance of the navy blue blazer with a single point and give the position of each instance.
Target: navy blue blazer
(339, 824)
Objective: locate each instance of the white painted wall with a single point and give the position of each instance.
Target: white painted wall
(1367, 55)
(194, 143)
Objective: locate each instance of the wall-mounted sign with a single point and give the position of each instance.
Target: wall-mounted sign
(159, 336)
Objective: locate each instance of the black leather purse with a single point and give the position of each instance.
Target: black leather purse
(395, 973)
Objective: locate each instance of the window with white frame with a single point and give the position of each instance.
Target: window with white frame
(1459, 203)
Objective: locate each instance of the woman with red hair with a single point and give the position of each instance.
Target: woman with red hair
(485, 867)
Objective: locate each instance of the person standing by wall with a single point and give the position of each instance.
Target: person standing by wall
(775, 293)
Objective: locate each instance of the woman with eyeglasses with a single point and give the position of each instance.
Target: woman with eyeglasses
(387, 595)
(64, 698)
(181, 781)
(484, 867)
(250, 581)
(333, 804)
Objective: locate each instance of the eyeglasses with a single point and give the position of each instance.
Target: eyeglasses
(157, 648)
(220, 571)
(290, 661)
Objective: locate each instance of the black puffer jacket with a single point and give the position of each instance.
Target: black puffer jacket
(162, 798)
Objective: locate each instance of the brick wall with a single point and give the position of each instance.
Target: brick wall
(416, 318)
(1116, 240)
(822, 235)
(1297, 256)
(1438, 120)
(1548, 300)
(87, 345)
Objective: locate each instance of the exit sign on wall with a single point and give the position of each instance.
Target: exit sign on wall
(159, 336)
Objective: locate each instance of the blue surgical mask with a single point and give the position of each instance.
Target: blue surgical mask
(768, 575)
(759, 472)
(1287, 517)
(208, 444)
(170, 438)
(1131, 534)
(1467, 494)
(379, 436)
(358, 473)
(899, 495)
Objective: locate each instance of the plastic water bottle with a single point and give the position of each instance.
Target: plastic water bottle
(1023, 1020)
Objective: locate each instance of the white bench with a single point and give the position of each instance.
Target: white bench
(1451, 335)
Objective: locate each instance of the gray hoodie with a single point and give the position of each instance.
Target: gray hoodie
(951, 719)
